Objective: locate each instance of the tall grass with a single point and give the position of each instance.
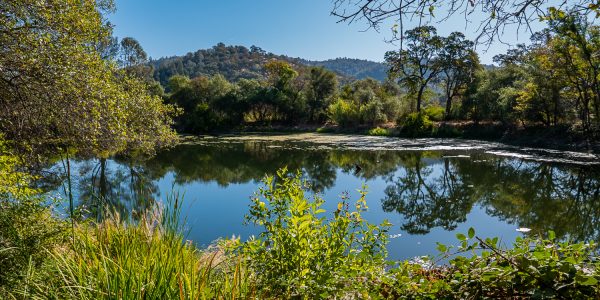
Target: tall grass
(148, 259)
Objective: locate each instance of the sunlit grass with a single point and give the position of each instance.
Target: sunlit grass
(148, 259)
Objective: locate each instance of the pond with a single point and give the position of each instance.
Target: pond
(429, 189)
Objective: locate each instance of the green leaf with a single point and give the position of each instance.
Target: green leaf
(471, 232)
(586, 280)
(461, 237)
(441, 247)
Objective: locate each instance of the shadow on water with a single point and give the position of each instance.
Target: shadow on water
(423, 190)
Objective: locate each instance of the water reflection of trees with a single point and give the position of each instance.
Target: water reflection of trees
(250, 161)
(439, 192)
(426, 189)
(429, 193)
(125, 187)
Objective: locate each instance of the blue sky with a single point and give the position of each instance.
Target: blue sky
(300, 28)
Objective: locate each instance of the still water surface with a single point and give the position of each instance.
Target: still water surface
(429, 189)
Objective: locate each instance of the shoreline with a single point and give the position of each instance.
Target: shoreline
(556, 138)
(393, 143)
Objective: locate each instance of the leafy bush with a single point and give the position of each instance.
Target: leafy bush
(416, 124)
(372, 113)
(27, 226)
(378, 131)
(435, 112)
(300, 252)
(343, 113)
(532, 268)
(27, 229)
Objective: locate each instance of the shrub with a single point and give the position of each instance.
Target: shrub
(27, 226)
(479, 269)
(378, 131)
(416, 124)
(435, 112)
(343, 113)
(27, 229)
(372, 113)
(300, 252)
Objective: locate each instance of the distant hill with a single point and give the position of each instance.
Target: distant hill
(233, 62)
(236, 62)
(356, 68)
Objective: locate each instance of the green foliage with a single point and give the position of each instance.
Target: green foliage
(343, 113)
(531, 268)
(321, 88)
(28, 229)
(145, 260)
(378, 131)
(66, 95)
(420, 63)
(302, 253)
(416, 124)
(27, 226)
(434, 112)
(366, 102)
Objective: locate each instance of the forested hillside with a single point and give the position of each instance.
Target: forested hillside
(237, 62)
(355, 68)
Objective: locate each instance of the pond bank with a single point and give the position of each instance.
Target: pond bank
(555, 138)
(365, 142)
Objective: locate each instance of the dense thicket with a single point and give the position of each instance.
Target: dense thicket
(57, 89)
(287, 97)
(551, 82)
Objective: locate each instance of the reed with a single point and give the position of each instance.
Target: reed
(147, 259)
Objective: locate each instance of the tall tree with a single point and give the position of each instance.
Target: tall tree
(131, 53)
(321, 87)
(56, 90)
(459, 63)
(420, 63)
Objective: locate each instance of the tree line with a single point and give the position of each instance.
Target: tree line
(551, 82)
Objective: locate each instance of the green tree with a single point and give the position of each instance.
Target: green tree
(321, 87)
(131, 53)
(57, 91)
(460, 62)
(420, 63)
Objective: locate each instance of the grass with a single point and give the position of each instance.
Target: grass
(146, 260)
(378, 131)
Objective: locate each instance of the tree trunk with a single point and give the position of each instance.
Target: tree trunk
(448, 107)
(420, 97)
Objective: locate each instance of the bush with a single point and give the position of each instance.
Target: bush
(301, 253)
(532, 268)
(343, 113)
(378, 131)
(416, 124)
(435, 112)
(27, 226)
(27, 230)
(372, 113)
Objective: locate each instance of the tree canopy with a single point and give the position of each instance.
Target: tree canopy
(57, 90)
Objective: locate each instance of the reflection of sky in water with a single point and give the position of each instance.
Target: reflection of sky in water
(214, 212)
(496, 194)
